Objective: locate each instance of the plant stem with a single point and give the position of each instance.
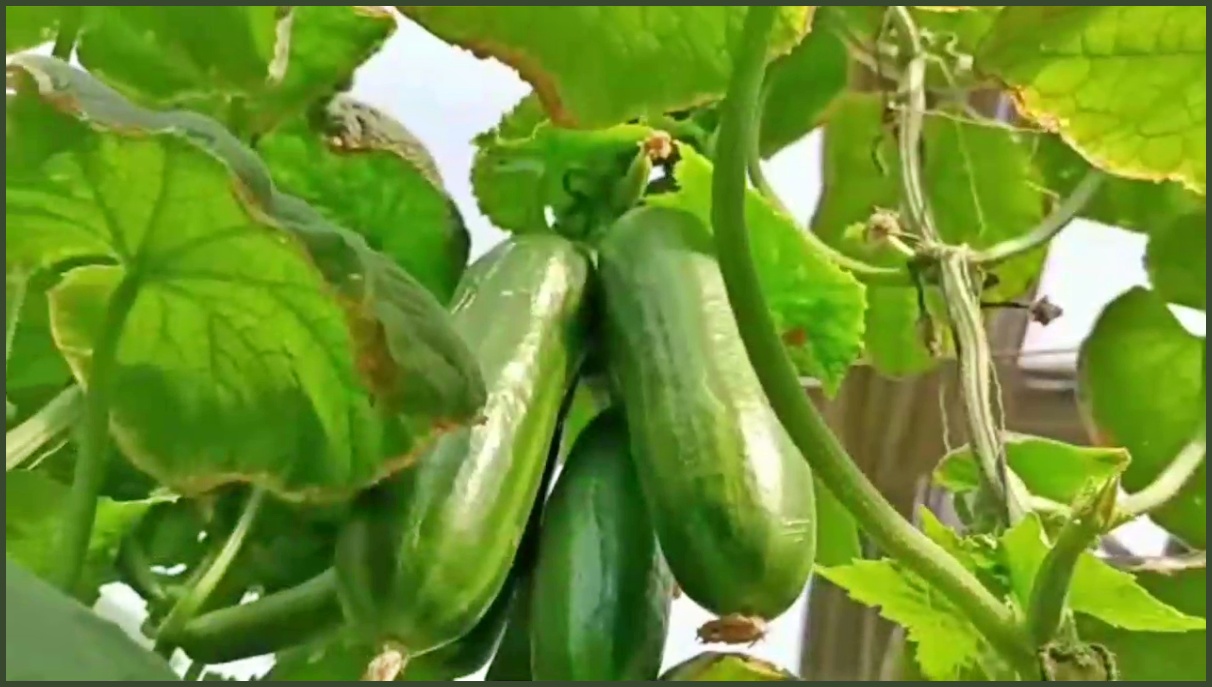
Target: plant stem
(960, 290)
(91, 462)
(1047, 606)
(70, 19)
(1049, 227)
(799, 416)
(52, 420)
(1172, 480)
(271, 623)
(864, 272)
(188, 605)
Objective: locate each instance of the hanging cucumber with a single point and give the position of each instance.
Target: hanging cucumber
(427, 552)
(730, 497)
(602, 592)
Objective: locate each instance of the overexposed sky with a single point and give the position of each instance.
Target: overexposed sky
(446, 96)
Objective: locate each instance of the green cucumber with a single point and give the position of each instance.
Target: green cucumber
(512, 660)
(716, 666)
(601, 595)
(426, 553)
(730, 496)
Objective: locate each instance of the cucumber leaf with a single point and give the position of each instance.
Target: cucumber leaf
(365, 171)
(657, 59)
(1177, 260)
(1125, 86)
(1141, 384)
(262, 343)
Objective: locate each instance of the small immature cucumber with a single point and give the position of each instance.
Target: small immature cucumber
(602, 592)
(730, 496)
(427, 552)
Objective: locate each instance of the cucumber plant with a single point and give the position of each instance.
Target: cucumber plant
(251, 375)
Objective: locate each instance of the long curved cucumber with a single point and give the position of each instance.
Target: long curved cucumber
(428, 551)
(730, 496)
(602, 592)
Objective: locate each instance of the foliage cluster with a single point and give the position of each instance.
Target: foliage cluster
(229, 286)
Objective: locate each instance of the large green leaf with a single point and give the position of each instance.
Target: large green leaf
(262, 343)
(945, 642)
(33, 526)
(1139, 655)
(801, 85)
(192, 55)
(1177, 261)
(326, 45)
(979, 181)
(1125, 86)
(1097, 590)
(1142, 386)
(49, 637)
(837, 534)
(595, 66)
(817, 306)
(367, 172)
(251, 64)
(1052, 469)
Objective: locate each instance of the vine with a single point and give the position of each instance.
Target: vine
(254, 373)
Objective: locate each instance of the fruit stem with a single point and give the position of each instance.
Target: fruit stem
(802, 420)
(1046, 608)
(187, 606)
(81, 508)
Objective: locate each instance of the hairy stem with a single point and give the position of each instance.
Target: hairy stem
(1049, 227)
(91, 462)
(961, 291)
(188, 605)
(803, 421)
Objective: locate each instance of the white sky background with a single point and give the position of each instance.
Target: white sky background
(446, 96)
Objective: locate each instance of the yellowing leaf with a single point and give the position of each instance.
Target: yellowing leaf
(1124, 85)
(946, 642)
(595, 66)
(259, 342)
(367, 172)
(817, 306)
(1098, 590)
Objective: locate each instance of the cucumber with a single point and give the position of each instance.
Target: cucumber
(716, 666)
(601, 595)
(512, 660)
(730, 496)
(427, 552)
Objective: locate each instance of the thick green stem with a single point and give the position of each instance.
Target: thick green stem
(93, 457)
(803, 422)
(271, 623)
(70, 19)
(188, 605)
(1050, 590)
